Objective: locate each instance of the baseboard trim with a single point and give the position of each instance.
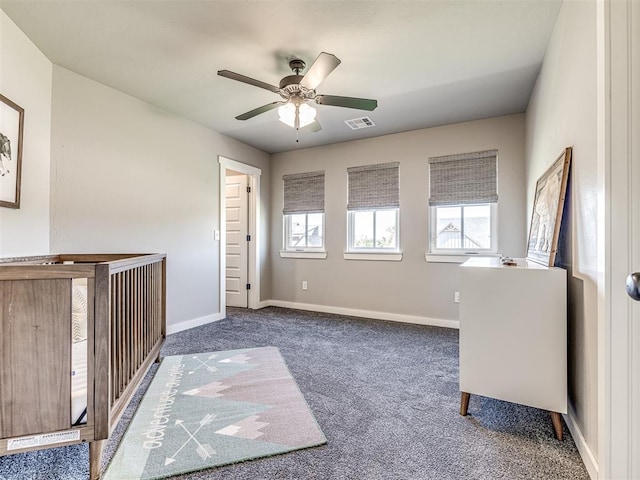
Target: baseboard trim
(263, 304)
(355, 312)
(589, 460)
(195, 322)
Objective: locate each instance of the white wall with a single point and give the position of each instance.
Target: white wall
(25, 79)
(411, 287)
(129, 177)
(561, 113)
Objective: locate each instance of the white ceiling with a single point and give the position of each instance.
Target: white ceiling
(427, 63)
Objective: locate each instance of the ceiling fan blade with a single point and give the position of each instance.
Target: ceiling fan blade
(259, 110)
(314, 127)
(349, 102)
(321, 68)
(249, 80)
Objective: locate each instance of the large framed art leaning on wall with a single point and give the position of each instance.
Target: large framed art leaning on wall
(548, 205)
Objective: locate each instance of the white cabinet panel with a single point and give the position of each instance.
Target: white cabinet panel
(513, 332)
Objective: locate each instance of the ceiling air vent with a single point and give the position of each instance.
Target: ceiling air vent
(358, 123)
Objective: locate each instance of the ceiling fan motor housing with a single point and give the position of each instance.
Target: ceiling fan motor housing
(290, 88)
(291, 80)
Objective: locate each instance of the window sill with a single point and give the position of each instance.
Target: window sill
(292, 254)
(455, 258)
(386, 257)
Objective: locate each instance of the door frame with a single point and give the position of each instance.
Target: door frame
(618, 25)
(253, 179)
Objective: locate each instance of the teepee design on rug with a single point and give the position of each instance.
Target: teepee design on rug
(213, 409)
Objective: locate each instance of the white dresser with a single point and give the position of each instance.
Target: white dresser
(513, 334)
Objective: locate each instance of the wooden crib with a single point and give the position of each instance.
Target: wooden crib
(124, 307)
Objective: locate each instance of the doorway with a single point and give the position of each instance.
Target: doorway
(237, 239)
(241, 288)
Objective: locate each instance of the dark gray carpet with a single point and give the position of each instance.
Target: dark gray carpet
(386, 396)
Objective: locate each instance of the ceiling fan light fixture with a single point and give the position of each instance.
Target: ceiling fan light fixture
(307, 114)
(290, 112)
(287, 114)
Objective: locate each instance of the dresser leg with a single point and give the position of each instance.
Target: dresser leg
(464, 403)
(556, 419)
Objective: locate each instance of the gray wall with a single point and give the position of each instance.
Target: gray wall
(26, 80)
(413, 286)
(562, 112)
(105, 172)
(129, 177)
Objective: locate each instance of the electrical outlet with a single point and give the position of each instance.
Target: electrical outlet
(304, 284)
(456, 297)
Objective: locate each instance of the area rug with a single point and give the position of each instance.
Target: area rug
(212, 409)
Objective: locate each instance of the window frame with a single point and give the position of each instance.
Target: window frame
(493, 219)
(351, 248)
(286, 221)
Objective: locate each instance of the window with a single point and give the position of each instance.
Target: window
(304, 231)
(373, 208)
(463, 202)
(374, 229)
(303, 212)
(463, 227)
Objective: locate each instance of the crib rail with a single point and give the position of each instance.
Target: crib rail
(130, 326)
(137, 313)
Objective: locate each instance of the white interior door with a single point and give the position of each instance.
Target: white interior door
(237, 223)
(634, 231)
(619, 331)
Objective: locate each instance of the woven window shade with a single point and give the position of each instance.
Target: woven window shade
(303, 193)
(374, 186)
(463, 179)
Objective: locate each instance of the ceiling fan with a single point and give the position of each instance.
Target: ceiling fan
(298, 91)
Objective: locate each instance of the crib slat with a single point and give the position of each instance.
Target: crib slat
(102, 347)
(113, 316)
(130, 325)
(91, 348)
(114, 333)
(139, 346)
(148, 314)
(152, 302)
(133, 339)
(124, 345)
(118, 340)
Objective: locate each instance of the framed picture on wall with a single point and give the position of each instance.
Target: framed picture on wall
(548, 204)
(11, 128)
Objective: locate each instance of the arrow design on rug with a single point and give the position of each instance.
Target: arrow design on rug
(203, 450)
(210, 368)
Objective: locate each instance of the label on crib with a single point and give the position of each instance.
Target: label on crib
(44, 439)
